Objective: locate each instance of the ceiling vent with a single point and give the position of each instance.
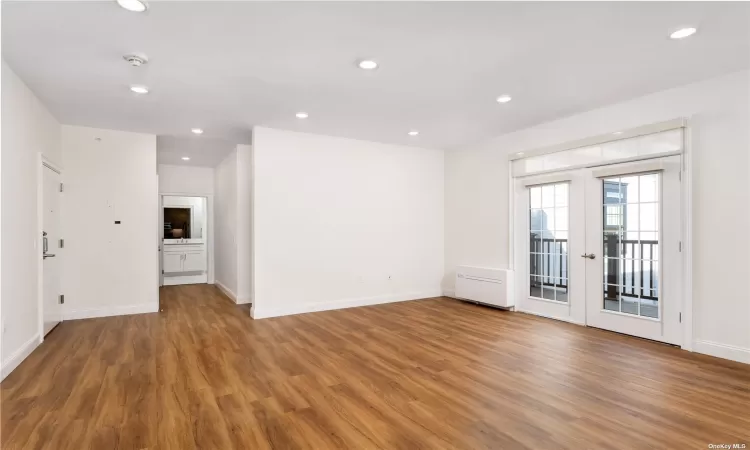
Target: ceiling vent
(136, 60)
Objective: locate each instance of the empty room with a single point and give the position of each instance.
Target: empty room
(374, 225)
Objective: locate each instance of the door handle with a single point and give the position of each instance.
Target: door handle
(589, 256)
(48, 255)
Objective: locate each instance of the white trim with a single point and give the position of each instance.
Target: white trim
(655, 165)
(177, 280)
(548, 179)
(450, 293)
(602, 138)
(732, 352)
(228, 292)
(687, 172)
(110, 311)
(340, 304)
(17, 357)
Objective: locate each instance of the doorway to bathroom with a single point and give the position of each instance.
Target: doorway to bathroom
(185, 249)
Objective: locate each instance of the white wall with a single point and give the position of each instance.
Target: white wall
(244, 223)
(185, 179)
(341, 222)
(27, 129)
(476, 183)
(225, 219)
(109, 176)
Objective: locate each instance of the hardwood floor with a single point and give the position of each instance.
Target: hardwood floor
(434, 373)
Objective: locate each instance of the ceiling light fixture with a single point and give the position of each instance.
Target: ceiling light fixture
(519, 153)
(368, 64)
(139, 89)
(413, 133)
(683, 33)
(617, 132)
(504, 98)
(196, 130)
(301, 115)
(186, 158)
(133, 5)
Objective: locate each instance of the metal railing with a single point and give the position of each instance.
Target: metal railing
(625, 266)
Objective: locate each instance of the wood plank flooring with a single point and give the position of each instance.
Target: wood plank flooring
(434, 374)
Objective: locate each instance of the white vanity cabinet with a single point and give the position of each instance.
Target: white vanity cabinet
(184, 263)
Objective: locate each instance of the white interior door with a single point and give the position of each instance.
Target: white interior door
(51, 270)
(634, 267)
(550, 228)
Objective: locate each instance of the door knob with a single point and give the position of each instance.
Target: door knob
(589, 256)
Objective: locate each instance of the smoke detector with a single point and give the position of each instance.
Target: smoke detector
(136, 60)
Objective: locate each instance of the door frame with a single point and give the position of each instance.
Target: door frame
(209, 240)
(43, 162)
(686, 220)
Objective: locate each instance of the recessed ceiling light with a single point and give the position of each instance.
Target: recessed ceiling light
(617, 132)
(413, 133)
(368, 64)
(139, 89)
(196, 130)
(186, 158)
(503, 98)
(133, 5)
(519, 153)
(683, 33)
(301, 115)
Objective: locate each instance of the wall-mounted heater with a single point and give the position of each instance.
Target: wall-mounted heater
(484, 285)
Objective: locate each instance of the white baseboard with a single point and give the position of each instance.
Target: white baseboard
(725, 351)
(90, 313)
(449, 293)
(228, 292)
(185, 279)
(17, 357)
(338, 304)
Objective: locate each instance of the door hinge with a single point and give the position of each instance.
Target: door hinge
(62, 299)
(680, 174)
(680, 317)
(62, 243)
(61, 187)
(162, 271)
(680, 245)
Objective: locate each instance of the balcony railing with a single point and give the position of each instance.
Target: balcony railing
(625, 273)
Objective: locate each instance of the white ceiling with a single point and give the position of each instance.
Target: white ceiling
(202, 151)
(227, 66)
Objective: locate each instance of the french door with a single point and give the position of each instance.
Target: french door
(601, 247)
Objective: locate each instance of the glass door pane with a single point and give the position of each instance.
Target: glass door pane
(548, 242)
(630, 238)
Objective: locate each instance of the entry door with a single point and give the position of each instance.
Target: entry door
(633, 261)
(51, 269)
